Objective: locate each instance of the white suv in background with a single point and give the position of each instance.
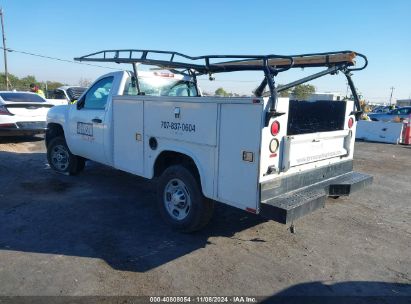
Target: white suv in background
(65, 94)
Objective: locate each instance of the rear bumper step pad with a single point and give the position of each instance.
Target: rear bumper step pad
(288, 207)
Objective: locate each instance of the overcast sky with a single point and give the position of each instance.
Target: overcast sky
(379, 29)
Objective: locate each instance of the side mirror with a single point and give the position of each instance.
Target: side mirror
(80, 102)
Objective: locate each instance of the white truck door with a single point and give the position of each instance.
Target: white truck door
(128, 152)
(87, 122)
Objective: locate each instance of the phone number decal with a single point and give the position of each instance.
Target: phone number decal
(178, 126)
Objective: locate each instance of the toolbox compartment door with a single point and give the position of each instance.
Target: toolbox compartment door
(240, 132)
(172, 118)
(128, 135)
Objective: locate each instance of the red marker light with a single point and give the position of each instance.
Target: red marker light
(275, 128)
(350, 122)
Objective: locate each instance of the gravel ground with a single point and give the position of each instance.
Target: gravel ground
(99, 233)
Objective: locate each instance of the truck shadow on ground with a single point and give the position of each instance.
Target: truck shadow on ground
(344, 292)
(101, 213)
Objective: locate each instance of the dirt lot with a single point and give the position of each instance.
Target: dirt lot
(99, 233)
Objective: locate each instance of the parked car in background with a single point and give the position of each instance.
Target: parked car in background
(22, 113)
(65, 94)
(397, 114)
(382, 109)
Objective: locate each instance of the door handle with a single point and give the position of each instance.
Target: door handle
(96, 120)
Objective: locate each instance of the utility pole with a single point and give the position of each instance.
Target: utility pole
(392, 90)
(5, 50)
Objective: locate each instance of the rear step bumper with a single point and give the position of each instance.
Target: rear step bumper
(290, 206)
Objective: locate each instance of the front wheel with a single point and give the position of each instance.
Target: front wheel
(181, 201)
(61, 159)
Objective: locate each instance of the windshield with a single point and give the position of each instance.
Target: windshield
(21, 97)
(159, 86)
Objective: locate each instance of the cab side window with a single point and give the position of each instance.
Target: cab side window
(183, 89)
(96, 97)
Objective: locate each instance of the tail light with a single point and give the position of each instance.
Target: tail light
(350, 122)
(274, 144)
(275, 128)
(8, 125)
(4, 111)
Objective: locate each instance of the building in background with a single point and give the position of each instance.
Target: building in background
(404, 102)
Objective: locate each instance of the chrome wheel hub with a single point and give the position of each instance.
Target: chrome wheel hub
(60, 157)
(177, 199)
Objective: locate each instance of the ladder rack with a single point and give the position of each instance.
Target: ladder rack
(271, 65)
(204, 65)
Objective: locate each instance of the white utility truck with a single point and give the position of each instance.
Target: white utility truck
(266, 155)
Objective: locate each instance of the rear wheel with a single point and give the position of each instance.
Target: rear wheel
(61, 159)
(181, 201)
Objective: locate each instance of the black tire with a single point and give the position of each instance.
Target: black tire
(200, 208)
(81, 164)
(61, 159)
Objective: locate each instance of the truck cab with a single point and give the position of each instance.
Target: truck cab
(88, 123)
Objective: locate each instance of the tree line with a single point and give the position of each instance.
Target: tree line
(299, 92)
(23, 84)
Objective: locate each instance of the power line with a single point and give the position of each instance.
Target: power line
(104, 67)
(99, 66)
(95, 65)
(55, 58)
